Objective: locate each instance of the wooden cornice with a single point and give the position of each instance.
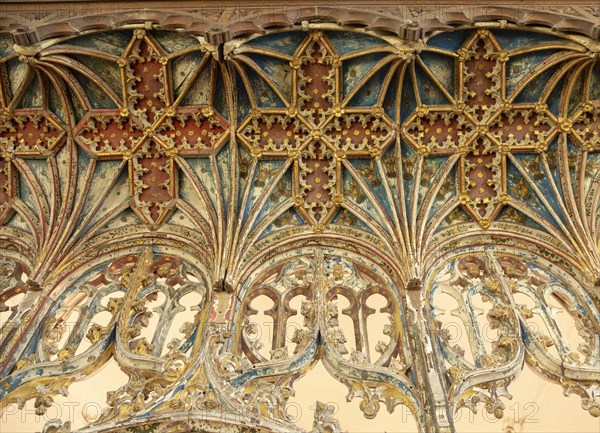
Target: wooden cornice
(31, 22)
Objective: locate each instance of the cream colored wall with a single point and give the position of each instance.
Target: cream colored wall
(539, 404)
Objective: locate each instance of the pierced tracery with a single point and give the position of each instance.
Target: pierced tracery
(332, 184)
(72, 347)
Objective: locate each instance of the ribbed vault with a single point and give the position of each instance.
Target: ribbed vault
(167, 174)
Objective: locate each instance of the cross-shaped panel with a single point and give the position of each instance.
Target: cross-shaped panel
(151, 129)
(481, 125)
(317, 130)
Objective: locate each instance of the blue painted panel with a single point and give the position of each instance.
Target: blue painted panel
(353, 70)
(33, 95)
(55, 104)
(6, 45)
(516, 187)
(199, 91)
(370, 91)
(111, 42)
(450, 41)
(182, 69)
(428, 90)
(265, 170)
(577, 94)
(279, 71)
(277, 195)
(518, 67)
(203, 169)
(595, 82)
(220, 97)
(369, 173)
(97, 97)
(264, 95)
(172, 42)
(106, 70)
(554, 99)
(389, 101)
(347, 42)
(224, 188)
(442, 67)
(510, 214)
(285, 42)
(447, 191)
(513, 39)
(533, 91)
(287, 219)
(409, 157)
(243, 101)
(408, 101)
(16, 72)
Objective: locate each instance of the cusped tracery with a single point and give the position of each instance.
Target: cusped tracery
(315, 194)
(317, 129)
(107, 315)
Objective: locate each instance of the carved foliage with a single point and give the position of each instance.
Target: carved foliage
(322, 281)
(484, 374)
(75, 344)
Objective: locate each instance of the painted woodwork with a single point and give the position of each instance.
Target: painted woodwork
(315, 165)
(482, 125)
(318, 130)
(149, 128)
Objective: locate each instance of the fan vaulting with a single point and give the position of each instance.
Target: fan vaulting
(147, 167)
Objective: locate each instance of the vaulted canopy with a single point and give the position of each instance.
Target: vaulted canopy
(167, 181)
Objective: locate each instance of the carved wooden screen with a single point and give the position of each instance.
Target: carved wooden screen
(147, 174)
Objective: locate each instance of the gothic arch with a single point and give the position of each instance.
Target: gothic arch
(398, 148)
